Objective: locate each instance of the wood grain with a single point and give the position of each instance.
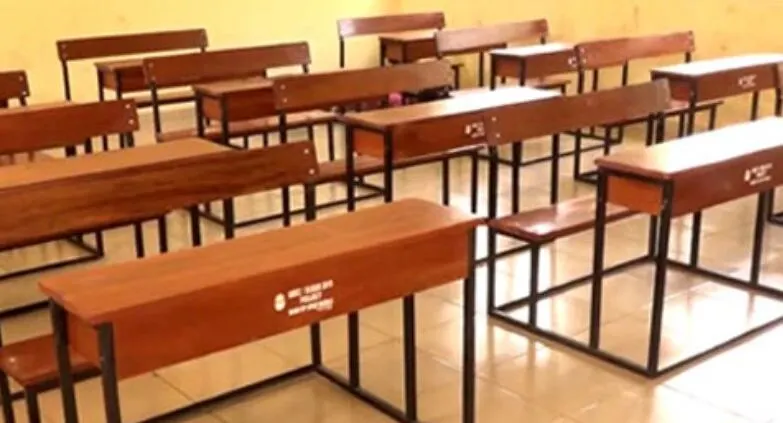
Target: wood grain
(126, 44)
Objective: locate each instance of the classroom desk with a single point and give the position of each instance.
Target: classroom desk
(408, 46)
(231, 101)
(127, 76)
(677, 178)
(534, 61)
(123, 317)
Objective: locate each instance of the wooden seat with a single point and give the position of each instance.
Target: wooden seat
(546, 224)
(252, 127)
(547, 83)
(32, 362)
(22, 158)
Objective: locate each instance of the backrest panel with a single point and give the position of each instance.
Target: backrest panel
(617, 51)
(125, 44)
(353, 27)
(13, 85)
(483, 38)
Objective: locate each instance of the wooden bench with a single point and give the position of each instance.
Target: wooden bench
(608, 53)
(13, 86)
(484, 39)
(126, 76)
(223, 65)
(541, 226)
(308, 273)
(155, 179)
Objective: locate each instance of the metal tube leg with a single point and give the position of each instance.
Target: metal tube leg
(5, 400)
(516, 161)
(754, 106)
(163, 235)
(598, 261)
(474, 182)
(533, 305)
(652, 237)
(577, 153)
(286, 193)
(554, 184)
(353, 350)
(195, 227)
(265, 141)
(33, 409)
(60, 329)
(659, 290)
(758, 237)
(445, 181)
(695, 239)
(138, 236)
(228, 218)
(409, 336)
(492, 206)
(469, 337)
(111, 397)
(330, 140)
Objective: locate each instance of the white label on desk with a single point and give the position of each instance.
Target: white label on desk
(758, 174)
(747, 82)
(310, 298)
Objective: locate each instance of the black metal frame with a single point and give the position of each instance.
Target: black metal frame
(351, 385)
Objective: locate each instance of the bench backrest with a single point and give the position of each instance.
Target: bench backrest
(484, 38)
(31, 129)
(619, 51)
(567, 113)
(149, 189)
(13, 86)
(126, 44)
(374, 25)
(308, 92)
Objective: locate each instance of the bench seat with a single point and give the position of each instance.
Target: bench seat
(547, 83)
(252, 127)
(546, 224)
(33, 362)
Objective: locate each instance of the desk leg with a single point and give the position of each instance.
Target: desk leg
(409, 355)
(516, 162)
(469, 336)
(696, 219)
(67, 391)
(111, 397)
(554, 184)
(659, 290)
(758, 236)
(598, 260)
(101, 97)
(492, 211)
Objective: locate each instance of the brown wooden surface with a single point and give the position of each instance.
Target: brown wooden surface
(487, 37)
(409, 46)
(252, 126)
(126, 44)
(719, 65)
(560, 114)
(118, 187)
(190, 69)
(33, 107)
(538, 60)
(229, 290)
(546, 224)
(13, 85)
(32, 361)
(719, 84)
(67, 124)
(616, 51)
(244, 99)
(327, 89)
(748, 158)
(374, 25)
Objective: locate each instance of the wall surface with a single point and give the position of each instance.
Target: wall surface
(722, 27)
(29, 36)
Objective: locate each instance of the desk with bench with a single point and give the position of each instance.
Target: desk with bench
(121, 318)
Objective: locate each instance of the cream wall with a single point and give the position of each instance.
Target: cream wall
(29, 41)
(722, 27)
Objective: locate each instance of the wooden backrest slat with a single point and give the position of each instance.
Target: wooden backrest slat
(125, 44)
(13, 85)
(372, 25)
(617, 51)
(307, 92)
(561, 114)
(32, 129)
(482, 38)
(188, 69)
(92, 198)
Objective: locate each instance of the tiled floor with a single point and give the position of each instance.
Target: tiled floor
(521, 379)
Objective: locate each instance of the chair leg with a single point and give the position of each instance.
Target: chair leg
(33, 409)
(533, 306)
(446, 186)
(5, 400)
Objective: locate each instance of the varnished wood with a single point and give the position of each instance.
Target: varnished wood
(409, 46)
(189, 69)
(327, 89)
(32, 361)
(546, 224)
(538, 60)
(127, 44)
(36, 128)
(13, 86)
(747, 157)
(374, 25)
(604, 53)
(123, 186)
(554, 115)
(229, 290)
(488, 37)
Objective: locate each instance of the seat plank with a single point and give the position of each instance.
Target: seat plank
(32, 362)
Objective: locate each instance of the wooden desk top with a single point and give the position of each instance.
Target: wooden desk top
(699, 152)
(712, 66)
(532, 50)
(119, 65)
(14, 177)
(33, 107)
(386, 118)
(409, 36)
(221, 88)
(99, 294)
